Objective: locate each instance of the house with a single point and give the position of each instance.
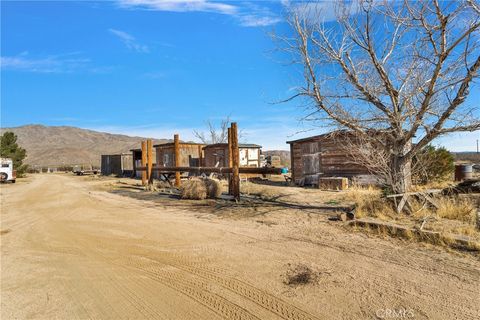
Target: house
(218, 154)
(190, 154)
(325, 155)
(117, 164)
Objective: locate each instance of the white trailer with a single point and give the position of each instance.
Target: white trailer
(80, 170)
(6, 170)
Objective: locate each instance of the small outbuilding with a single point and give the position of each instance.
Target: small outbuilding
(325, 155)
(120, 165)
(217, 155)
(190, 154)
(137, 162)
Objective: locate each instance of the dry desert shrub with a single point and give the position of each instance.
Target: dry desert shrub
(452, 208)
(194, 189)
(369, 202)
(468, 230)
(163, 185)
(300, 274)
(456, 209)
(214, 188)
(199, 189)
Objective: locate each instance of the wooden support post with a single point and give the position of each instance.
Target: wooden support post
(229, 164)
(235, 162)
(149, 161)
(176, 142)
(144, 162)
(134, 165)
(200, 155)
(230, 158)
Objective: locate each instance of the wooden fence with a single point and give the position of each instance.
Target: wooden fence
(233, 170)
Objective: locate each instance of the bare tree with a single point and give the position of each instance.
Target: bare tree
(402, 68)
(214, 134)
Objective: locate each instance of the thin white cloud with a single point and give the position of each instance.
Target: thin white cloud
(256, 21)
(181, 5)
(323, 11)
(49, 64)
(249, 14)
(129, 41)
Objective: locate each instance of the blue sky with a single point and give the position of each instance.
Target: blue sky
(151, 68)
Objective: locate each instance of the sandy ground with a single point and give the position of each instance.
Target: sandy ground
(72, 251)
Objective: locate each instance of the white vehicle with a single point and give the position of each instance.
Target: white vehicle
(6, 170)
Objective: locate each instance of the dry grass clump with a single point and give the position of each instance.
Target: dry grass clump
(194, 189)
(432, 185)
(163, 184)
(369, 202)
(214, 188)
(199, 189)
(456, 209)
(468, 230)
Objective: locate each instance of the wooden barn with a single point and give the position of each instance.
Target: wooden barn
(190, 154)
(218, 153)
(325, 156)
(120, 165)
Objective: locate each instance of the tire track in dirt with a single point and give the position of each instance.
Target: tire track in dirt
(195, 290)
(210, 276)
(198, 281)
(260, 297)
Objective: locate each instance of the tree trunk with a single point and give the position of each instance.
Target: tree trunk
(401, 173)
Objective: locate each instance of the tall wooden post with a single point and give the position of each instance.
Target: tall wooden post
(144, 162)
(229, 160)
(230, 157)
(235, 162)
(149, 161)
(200, 155)
(176, 143)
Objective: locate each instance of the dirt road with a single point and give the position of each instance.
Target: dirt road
(69, 251)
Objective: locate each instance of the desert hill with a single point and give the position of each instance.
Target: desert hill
(64, 145)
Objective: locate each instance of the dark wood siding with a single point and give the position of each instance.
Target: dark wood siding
(189, 155)
(117, 164)
(322, 156)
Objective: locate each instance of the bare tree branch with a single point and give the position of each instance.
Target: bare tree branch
(404, 69)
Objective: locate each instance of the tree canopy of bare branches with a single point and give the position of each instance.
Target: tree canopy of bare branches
(214, 134)
(403, 68)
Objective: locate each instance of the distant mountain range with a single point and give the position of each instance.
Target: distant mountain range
(467, 156)
(67, 146)
(57, 146)
(64, 145)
